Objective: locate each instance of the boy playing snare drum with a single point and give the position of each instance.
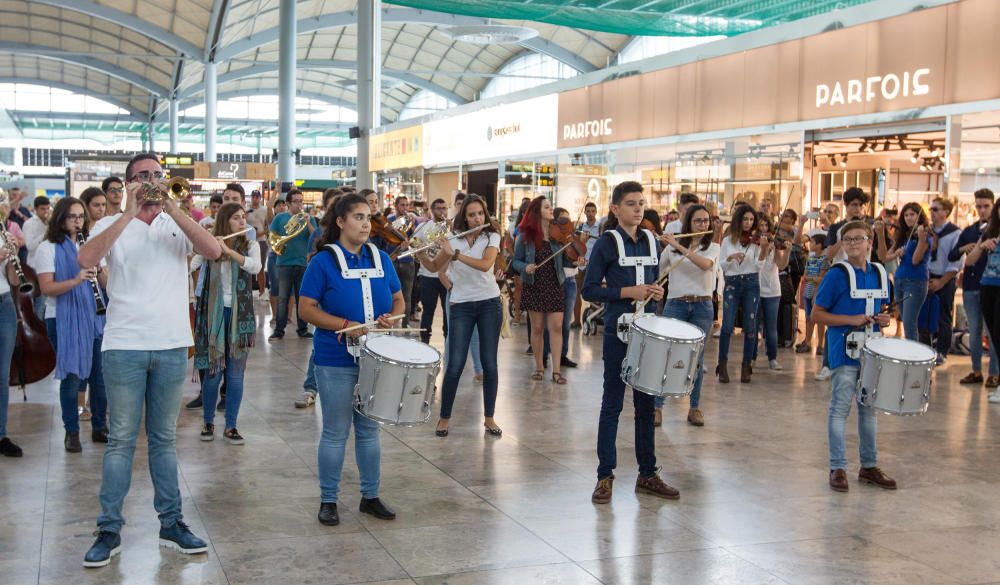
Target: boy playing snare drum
(847, 302)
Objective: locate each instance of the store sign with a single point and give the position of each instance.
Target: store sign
(494, 133)
(864, 69)
(398, 149)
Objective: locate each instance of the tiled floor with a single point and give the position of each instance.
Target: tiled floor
(473, 509)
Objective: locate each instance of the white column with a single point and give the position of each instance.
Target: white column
(173, 125)
(211, 117)
(286, 92)
(369, 82)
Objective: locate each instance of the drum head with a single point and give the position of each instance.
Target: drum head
(666, 327)
(900, 349)
(402, 349)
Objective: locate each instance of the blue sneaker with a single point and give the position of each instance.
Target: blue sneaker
(179, 537)
(107, 545)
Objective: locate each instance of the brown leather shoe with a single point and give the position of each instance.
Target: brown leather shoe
(745, 372)
(602, 493)
(695, 417)
(993, 382)
(838, 480)
(723, 372)
(973, 378)
(876, 476)
(657, 417)
(655, 486)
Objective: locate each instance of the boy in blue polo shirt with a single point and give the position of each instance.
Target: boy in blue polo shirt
(841, 312)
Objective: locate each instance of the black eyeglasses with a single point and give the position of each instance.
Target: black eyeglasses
(76, 216)
(148, 175)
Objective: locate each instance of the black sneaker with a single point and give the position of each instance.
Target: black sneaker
(376, 508)
(10, 449)
(328, 515)
(99, 435)
(529, 351)
(566, 362)
(306, 335)
(72, 443)
(208, 433)
(107, 545)
(194, 404)
(276, 335)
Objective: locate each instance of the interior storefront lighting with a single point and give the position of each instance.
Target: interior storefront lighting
(923, 165)
(870, 146)
(915, 155)
(843, 160)
(981, 170)
(864, 146)
(885, 145)
(833, 160)
(901, 143)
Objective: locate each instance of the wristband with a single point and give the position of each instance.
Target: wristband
(454, 257)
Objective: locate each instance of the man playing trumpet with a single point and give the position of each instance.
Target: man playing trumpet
(145, 347)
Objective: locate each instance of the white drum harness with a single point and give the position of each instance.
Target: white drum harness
(856, 339)
(364, 275)
(639, 263)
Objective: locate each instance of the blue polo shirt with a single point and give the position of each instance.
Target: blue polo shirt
(834, 296)
(907, 269)
(298, 247)
(338, 296)
(603, 268)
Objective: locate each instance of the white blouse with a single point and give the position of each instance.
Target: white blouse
(750, 264)
(251, 264)
(770, 281)
(688, 280)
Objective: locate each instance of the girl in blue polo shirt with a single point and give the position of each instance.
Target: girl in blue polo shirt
(911, 247)
(332, 300)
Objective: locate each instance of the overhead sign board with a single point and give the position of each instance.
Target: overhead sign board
(398, 149)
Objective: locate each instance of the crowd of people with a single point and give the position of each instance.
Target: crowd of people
(131, 279)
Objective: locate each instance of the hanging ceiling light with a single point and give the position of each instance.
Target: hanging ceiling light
(864, 146)
(490, 34)
(843, 160)
(885, 145)
(833, 160)
(915, 155)
(901, 143)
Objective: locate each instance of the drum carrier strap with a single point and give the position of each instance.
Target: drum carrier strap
(363, 274)
(868, 294)
(638, 262)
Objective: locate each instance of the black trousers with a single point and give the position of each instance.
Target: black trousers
(431, 291)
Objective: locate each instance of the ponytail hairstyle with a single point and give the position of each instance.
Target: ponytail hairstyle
(340, 210)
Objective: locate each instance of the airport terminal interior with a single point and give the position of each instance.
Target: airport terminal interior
(499, 292)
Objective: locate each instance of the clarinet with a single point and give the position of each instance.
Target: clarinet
(23, 285)
(94, 285)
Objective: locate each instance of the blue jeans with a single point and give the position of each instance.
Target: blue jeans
(69, 390)
(135, 379)
(974, 315)
(233, 372)
(700, 315)
(477, 358)
(309, 385)
(272, 273)
(742, 290)
(843, 391)
(768, 315)
(8, 335)
(336, 399)
(612, 402)
(909, 309)
(289, 282)
(462, 320)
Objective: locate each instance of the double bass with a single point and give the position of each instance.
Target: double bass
(33, 358)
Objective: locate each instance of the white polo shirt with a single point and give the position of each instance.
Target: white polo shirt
(147, 286)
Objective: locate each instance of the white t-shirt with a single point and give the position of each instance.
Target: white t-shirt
(45, 261)
(687, 280)
(34, 233)
(208, 222)
(673, 227)
(252, 265)
(147, 286)
(257, 219)
(469, 284)
(770, 281)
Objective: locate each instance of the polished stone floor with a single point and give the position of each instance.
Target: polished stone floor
(755, 507)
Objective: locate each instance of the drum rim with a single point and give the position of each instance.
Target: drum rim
(656, 335)
(395, 362)
(653, 335)
(891, 340)
(882, 357)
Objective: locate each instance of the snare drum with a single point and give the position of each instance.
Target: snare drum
(895, 375)
(663, 355)
(396, 380)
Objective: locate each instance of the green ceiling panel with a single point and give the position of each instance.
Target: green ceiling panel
(643, 17)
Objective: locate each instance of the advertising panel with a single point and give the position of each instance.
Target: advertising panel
(398, 149)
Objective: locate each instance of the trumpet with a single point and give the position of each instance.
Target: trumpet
(178, 189)
(293, 227)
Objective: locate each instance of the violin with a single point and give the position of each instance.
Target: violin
(564, 232)
(383, 227)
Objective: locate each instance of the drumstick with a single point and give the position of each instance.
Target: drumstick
(368, 324)
(659, 281)
(410, 329)
(240, 233)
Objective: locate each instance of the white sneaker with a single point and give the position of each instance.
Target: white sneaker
(995, 397)
(717, 333)
(774, 365)
(306, 400)
(824, 374)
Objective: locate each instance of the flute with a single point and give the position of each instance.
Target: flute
(413, 251)
(239, 233)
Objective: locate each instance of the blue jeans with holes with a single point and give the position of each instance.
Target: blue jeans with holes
(336, 399)
(742, 290)
(139, 381)
(767, 315)
(463, 319)
(700, 315)
(8, 335)
(233, 373)
(915, 293)
(974, 315)
(843, 386)
(72, 385)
